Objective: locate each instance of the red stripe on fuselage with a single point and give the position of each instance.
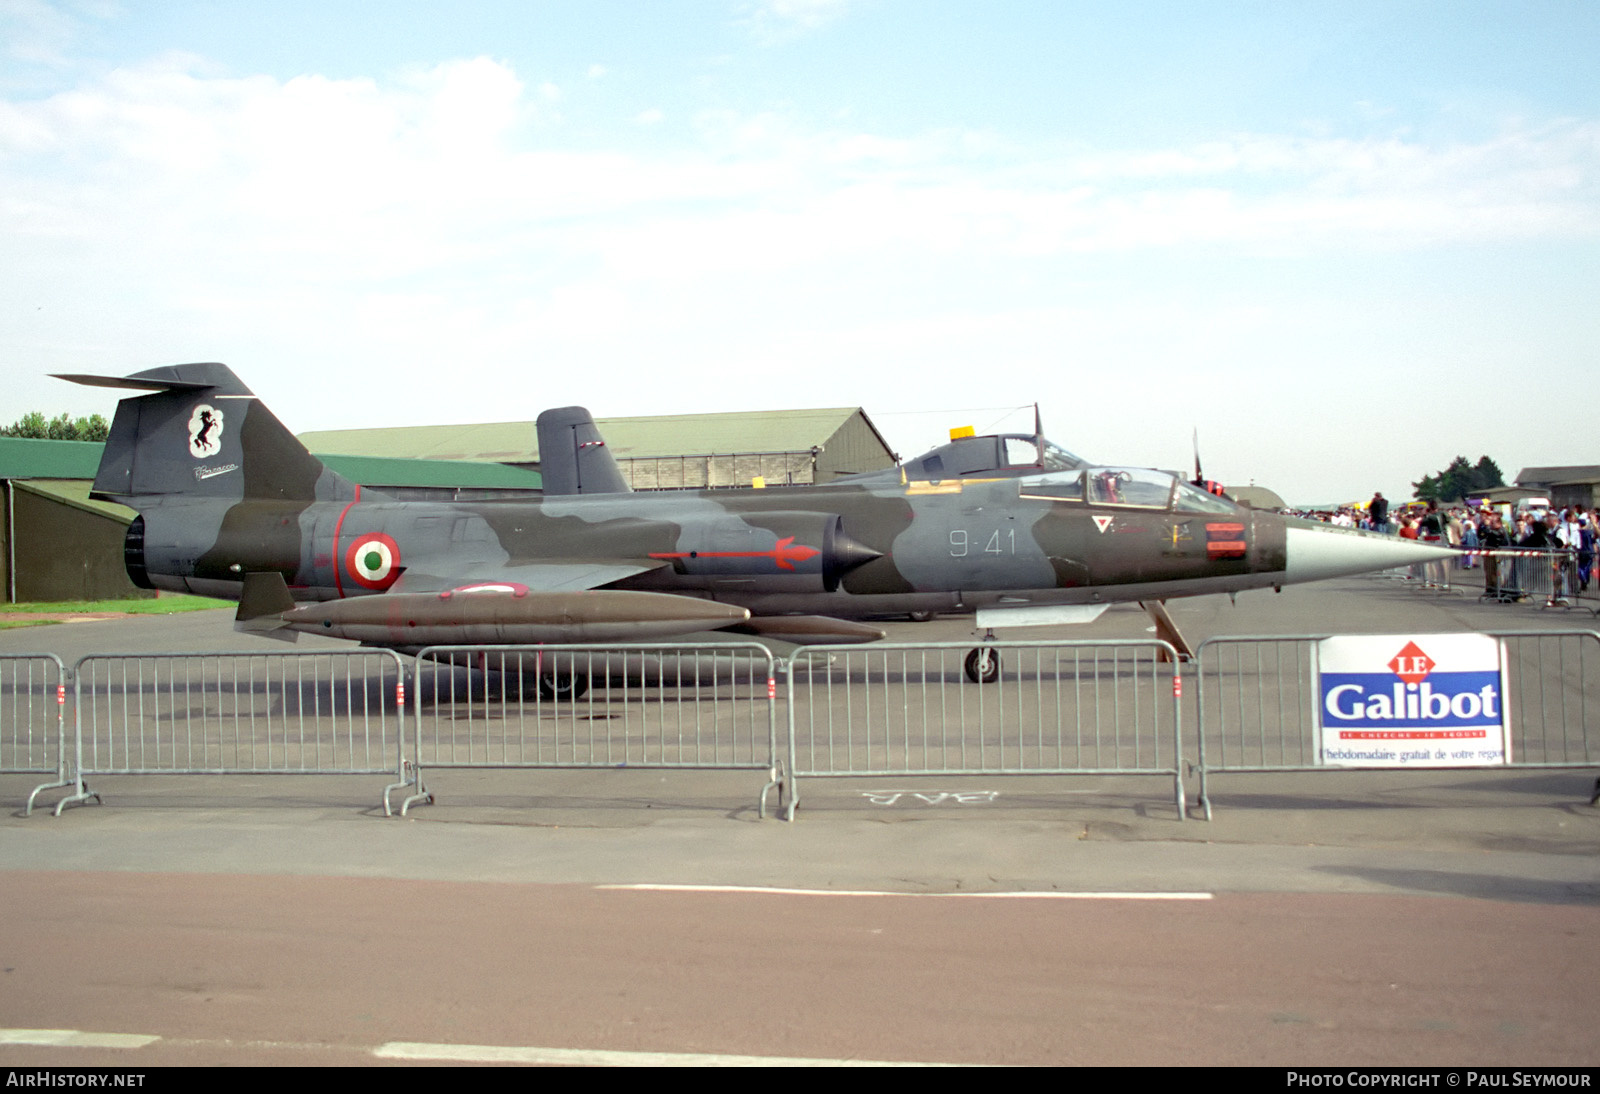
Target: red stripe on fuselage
(338, 586)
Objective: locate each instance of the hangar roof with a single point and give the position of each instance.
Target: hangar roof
(628, 438)
(1555, 476)
(25, 458)
(75, 492)
(378, 473)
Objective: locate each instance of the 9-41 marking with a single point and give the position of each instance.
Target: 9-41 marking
(999, 542)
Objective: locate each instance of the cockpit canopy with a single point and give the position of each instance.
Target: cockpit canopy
(1046, 470)
(1129, 487)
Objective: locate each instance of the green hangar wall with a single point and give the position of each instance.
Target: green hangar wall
(59, 545)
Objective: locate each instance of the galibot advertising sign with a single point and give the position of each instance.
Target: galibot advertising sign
(1433, 700)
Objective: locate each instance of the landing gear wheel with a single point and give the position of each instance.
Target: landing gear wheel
(560, 686)
(983, 665)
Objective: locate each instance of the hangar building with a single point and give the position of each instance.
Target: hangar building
(56, 543)
(59, 544)
(660, 452)
(1577, 484)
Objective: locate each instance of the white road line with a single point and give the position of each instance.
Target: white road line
(648, 888)
(487, 1054)
(581, 1057)
(75, 1038)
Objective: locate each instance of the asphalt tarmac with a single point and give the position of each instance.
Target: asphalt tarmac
(1336, 917)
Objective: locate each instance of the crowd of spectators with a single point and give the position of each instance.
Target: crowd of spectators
(1570, 531)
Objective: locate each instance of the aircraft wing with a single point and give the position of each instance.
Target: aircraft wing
(551, 600)
(545, 575)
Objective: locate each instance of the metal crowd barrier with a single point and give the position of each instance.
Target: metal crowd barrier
(315, 713)
(1056, 708)
(902, 709)
(1257, 696)
(33, 732)
(1506, 575)
(705, 706)
(1547, 578)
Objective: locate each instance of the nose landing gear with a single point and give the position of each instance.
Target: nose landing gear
(982, 664)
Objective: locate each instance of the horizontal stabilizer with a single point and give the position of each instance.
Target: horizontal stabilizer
(201, 376)
(130, 383)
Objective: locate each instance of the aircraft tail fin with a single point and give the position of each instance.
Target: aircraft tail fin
(573, 457)
(201, 432)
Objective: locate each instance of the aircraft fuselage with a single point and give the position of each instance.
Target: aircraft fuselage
(232, 505)
(848, 551)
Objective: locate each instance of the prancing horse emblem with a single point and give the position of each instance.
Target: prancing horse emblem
(205, 431)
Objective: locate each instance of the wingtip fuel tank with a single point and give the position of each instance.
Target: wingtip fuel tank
(508, 616)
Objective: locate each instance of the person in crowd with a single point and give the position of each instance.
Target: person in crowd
(1545, 535)
(1586, 539)
(1568, 529)
(1469, 538)
(1431, 529)
(1493, 537)
(1378, 512)
(1535, 536)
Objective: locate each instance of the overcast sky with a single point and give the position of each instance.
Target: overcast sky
(1346, 240)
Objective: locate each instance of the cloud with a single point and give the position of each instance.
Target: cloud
(455, 161)
(442, 218)
(37, 32)
(774, 21)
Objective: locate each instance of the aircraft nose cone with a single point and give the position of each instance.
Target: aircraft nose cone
(1317, 551)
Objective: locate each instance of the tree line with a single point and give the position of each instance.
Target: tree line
(63, 427)
(1459, 480)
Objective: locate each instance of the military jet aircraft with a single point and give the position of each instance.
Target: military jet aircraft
(230, 504)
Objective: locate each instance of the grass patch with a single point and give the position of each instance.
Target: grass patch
(161, 605)
(13, 624)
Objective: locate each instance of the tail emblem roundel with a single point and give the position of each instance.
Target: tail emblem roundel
(205, 431)
(373, 561)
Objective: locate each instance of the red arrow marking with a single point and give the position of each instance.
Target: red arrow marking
(784, 553)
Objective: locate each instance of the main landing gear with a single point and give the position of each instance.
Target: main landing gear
(562, 685)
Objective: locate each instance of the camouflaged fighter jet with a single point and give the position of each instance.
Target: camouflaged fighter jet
(230, 504)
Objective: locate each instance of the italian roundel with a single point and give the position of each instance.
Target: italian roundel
(373, 561)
